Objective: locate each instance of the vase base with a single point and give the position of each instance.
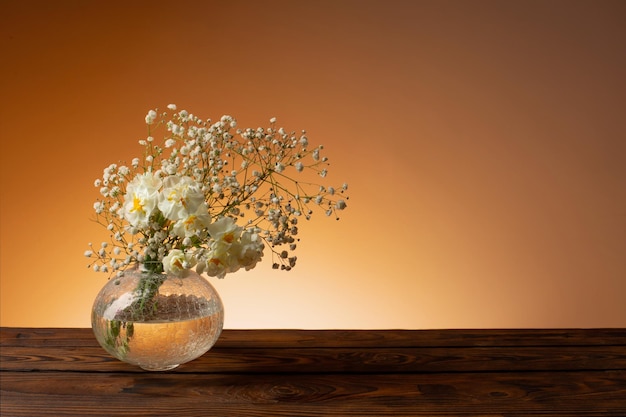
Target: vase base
(158, 368)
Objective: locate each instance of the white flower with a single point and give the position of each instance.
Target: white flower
(212, 267)
(231, 248)
(249, 250)
(180, 198)
(98, 206)
(171, 106)
(141, 199)
(150, 117)
(193, 224)
(224, 230)
(219, 259)
(178, 263)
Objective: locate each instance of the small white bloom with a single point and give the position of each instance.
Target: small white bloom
(171, 106)
(150, 117)
(98, 206)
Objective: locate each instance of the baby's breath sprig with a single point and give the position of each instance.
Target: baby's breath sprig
(177, 206)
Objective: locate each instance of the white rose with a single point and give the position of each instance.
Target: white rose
(178, 263)
(181, 197)
(141, 199)
(225, 230)
(250, 250)
(231, 248)
(193, 224)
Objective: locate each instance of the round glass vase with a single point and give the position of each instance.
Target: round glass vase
(157, 321)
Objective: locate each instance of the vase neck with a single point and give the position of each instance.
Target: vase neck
(149, 267)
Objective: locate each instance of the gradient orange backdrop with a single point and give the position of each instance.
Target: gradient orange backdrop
(484, 143)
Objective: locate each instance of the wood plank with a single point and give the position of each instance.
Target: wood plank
(230, 338)
(481, 394)
(316, 360)
(512, 373)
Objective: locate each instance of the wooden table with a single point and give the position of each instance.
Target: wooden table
(64, 372)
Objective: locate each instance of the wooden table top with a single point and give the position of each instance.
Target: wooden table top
(565, 372)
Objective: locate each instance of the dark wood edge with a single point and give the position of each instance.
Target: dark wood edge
(290, 338)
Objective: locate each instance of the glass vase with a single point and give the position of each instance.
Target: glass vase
(157, 321)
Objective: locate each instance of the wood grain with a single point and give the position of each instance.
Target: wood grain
(64, 372)
(323, 360)
(97, 394)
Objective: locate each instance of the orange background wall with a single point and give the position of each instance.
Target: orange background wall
(484, 143)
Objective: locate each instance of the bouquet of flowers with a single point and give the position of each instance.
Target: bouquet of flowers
(210, 196)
